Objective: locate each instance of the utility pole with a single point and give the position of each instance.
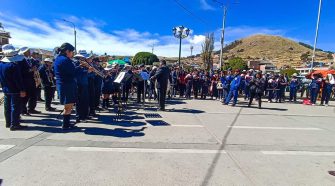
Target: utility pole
(222, 35)
(316, 35)
(153, 48)
(191, 50)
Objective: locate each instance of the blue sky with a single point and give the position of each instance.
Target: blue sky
(128, 26)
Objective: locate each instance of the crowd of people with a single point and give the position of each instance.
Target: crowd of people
(250, 84)
(87, 84)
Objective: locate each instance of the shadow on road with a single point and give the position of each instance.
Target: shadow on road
(118, 132)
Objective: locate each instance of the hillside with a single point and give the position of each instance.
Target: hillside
(279, 50)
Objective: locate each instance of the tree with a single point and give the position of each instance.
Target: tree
(236, 63)
(145, 58)
(289, 71)
(330, 55)
(207, 51)
(305, 57)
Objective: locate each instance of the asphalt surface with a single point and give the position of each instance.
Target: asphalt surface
(195, 142)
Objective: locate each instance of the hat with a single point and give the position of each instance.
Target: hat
(83, 53)
(10, 54)
(141, 65)
(295, 75)
(109, 67)
(48, 60)
(78, 55)
(23, 50)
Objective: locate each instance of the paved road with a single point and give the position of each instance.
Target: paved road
(195, 143)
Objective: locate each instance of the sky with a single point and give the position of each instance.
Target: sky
(125, 27)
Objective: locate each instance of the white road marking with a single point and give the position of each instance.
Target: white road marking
(298, 153)
(196, 126)
(177, 151)
(273, 128)
(6, 147)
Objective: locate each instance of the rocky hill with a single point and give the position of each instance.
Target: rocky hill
(281, 51)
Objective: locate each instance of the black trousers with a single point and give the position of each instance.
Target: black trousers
(48, 95)
(38, 92)
(82, 105)
(140, 91)
(161, 97)
(91, 95)
(12, 109)
(182, 89)
(97, 95)
(258, 96)
(30, 99)
(125, 92)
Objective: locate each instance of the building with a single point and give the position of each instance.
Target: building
(263, 65)
(303, 71)
(4, 37)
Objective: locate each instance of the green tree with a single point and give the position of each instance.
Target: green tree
(236, 63)
(289, 71)
(330, 55)
(145, 58)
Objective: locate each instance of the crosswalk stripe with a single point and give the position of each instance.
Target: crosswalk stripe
(140, 150)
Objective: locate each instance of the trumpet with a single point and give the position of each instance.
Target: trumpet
(96, 71)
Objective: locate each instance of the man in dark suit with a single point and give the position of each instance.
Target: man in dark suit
(162, 76)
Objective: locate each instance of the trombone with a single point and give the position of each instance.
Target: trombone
(96, 71)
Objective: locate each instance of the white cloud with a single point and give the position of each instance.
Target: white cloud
(40, 34)
(205, 5)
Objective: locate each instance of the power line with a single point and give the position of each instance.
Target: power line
(190, 12)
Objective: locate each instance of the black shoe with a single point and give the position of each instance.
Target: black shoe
(34, 112)
(17, 127)
(25, 114)
(50, 109)
(233, 105)
(7, 125)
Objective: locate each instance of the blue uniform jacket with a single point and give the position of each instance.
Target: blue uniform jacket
(294, 84)
(236, 82)
(327, 87)
(27, 74)
(44, 76)
(11, 78)
(65, 79)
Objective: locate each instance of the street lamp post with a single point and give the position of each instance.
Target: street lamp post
(316, 35)
(180, 32)
(75, 34)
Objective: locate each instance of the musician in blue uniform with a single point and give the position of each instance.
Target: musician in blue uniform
(315, 88)
(12, 86)
(326, 92)
(272, 86)
(108, 88)
(234, 87)
(97, 83)
(28, 70)
(66, 81)
(294, 85)
(162, 76)
(48, 83)
(37, 63)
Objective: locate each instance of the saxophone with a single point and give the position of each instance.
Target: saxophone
(50, 77)
(37, 77)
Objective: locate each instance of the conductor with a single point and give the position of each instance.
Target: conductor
(162, 77)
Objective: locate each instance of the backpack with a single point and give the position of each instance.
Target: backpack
(219, 86)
